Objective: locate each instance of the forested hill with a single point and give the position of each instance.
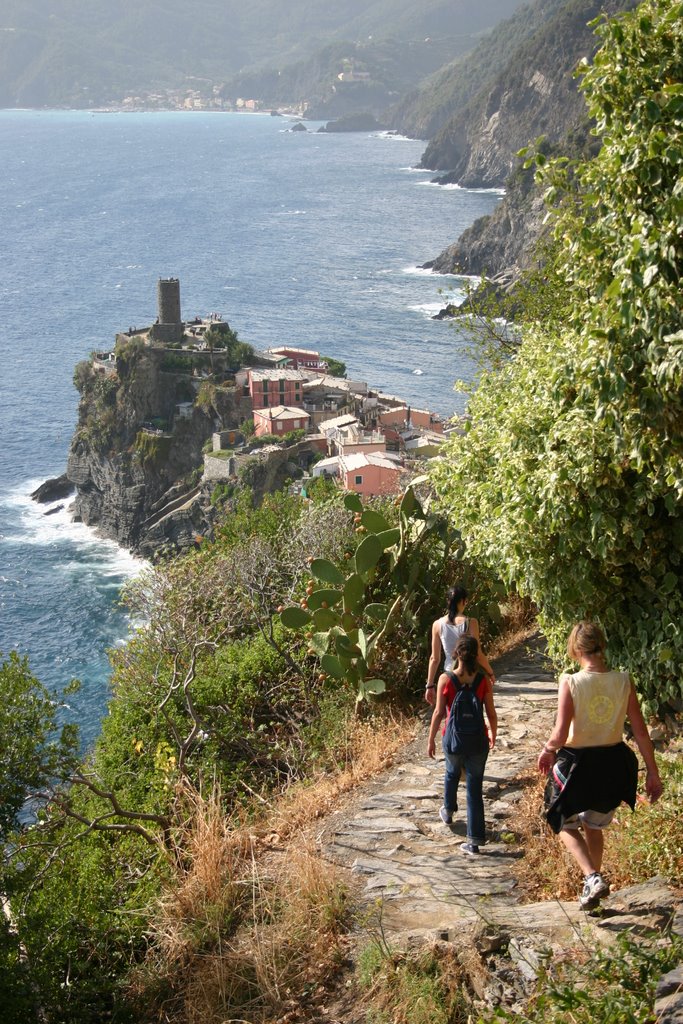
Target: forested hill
(89, 52)
(424, 111)
(532, 92)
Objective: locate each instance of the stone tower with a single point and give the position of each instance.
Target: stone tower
(169, 326)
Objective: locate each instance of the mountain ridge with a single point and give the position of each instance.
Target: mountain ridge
(95, 52)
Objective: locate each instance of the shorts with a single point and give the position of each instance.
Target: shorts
(591, 819)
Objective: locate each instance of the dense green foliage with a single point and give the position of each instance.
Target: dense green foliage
(345, 614)
(32, 748)
(221, 337)
(211, 693)
(570, 480)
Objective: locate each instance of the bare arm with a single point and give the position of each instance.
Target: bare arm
(434, 661)
(491, 714)
(437, 715)
(653, 783)
(482, 659)
(565, 713)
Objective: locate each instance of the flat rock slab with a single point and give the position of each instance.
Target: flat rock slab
(422, 888)
(392, 839)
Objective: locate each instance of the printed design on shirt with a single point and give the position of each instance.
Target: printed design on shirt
(601, 709)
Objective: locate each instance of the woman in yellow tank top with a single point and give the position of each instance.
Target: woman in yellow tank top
(591, 768)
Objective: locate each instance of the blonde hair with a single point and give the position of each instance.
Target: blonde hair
(585, 638)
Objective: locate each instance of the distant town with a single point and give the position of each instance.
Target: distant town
(207, 98)
(365, 439)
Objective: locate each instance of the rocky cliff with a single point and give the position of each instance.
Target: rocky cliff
(423, 112)
(534, 95)
(498, 246)
(137, 449)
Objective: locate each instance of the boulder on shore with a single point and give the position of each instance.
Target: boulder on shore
(54, 489)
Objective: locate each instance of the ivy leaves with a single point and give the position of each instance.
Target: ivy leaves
(570, 479)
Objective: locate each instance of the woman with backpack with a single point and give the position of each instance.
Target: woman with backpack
(465, 694)
(446, 631)
(591, 770)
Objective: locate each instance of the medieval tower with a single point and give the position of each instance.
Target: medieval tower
(169, 326)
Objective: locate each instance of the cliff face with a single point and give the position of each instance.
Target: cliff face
(138, 443)
(498, 245)
(425, 111)
(535, 95)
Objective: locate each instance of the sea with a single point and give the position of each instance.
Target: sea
(297, 237)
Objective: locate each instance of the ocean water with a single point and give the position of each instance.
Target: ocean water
(299, 238)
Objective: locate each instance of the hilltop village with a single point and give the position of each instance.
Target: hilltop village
(180, 415)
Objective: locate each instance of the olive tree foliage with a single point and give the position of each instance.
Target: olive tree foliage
(34, 747)
(570, 479)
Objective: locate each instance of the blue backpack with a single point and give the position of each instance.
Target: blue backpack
(465, 729)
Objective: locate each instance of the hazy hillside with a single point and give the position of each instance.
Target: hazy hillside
(393, 66)
(425, 110)
(84, 52)
(534, 93)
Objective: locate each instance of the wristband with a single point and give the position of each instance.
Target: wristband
(547, 750)
(430, 686)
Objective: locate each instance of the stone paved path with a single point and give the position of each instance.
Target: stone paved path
(391, 835)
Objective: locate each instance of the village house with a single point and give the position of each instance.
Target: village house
(104, 363)
(371, 475)
(279, 419)
(300, 358)
(272, 387)
(345, 435)
(422, 444)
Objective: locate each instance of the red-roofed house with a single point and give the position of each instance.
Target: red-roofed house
(300, 358)
(376, 473)
(274, 387)
(279, 419)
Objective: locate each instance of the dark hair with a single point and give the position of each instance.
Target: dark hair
(454, 597)
(467, 651)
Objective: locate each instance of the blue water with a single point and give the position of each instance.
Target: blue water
(301, 238)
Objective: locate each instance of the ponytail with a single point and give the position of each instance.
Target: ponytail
(454, 597)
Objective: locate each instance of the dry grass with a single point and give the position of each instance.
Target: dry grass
(371, 747)
(232, 940)
(546, 871)
(519, 623)
(235, 938)
(637, 845)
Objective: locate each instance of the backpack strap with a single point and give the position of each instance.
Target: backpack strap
(474, 684)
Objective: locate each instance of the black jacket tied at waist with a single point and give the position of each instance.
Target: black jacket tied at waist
(590, 778)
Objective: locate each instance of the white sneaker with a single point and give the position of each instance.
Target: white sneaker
(445, 816)
(594, 888)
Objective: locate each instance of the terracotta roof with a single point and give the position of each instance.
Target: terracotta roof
(282, 412)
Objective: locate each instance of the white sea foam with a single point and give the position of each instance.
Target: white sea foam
(427, 309)
(424, 272)
(418, 373)
(393, 136)
(38, 529)
(451, 187)
(291, 213)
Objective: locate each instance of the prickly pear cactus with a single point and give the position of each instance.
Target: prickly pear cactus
(344, 629)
